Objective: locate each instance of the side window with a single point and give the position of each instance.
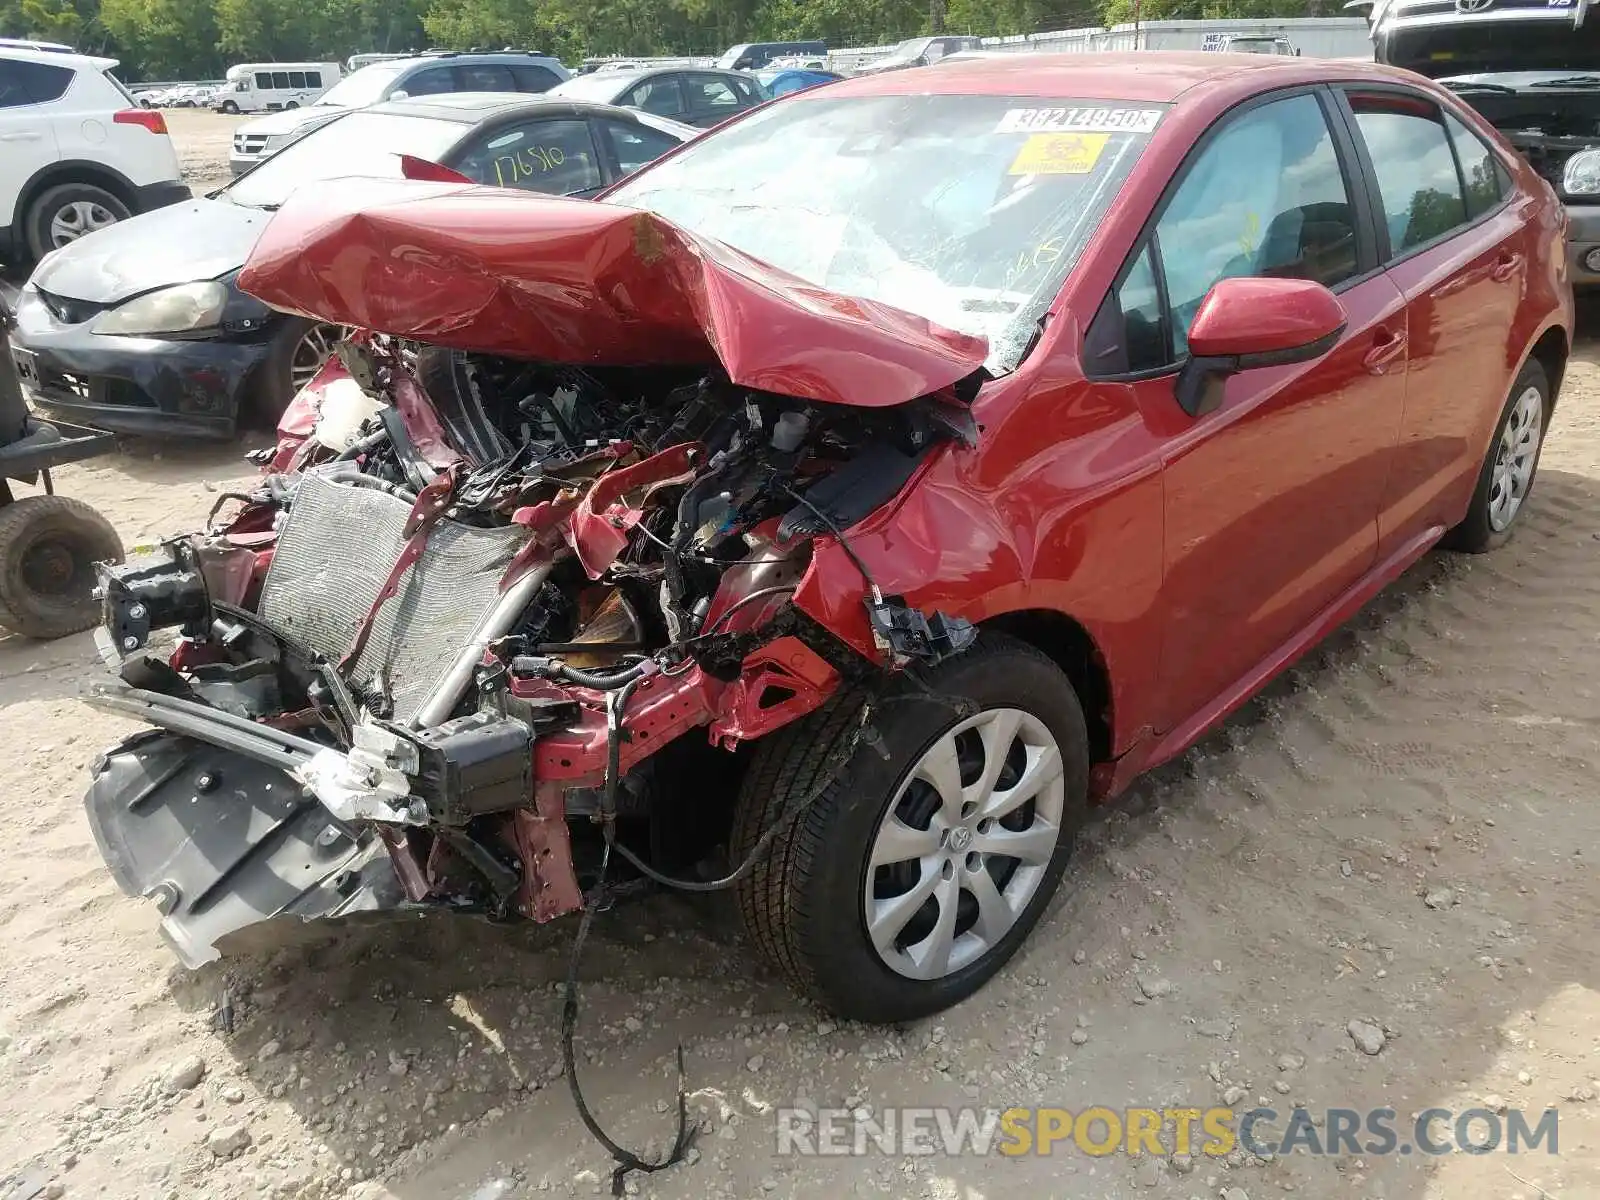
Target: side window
(23, 83)
(1266, 196)
(297, 79)
(711, 93)
(635, 145)
(748, 95)
(553, 157)
(1414, 165)
(486, 77)
(432, 82)
(661, 96)
(534, 79)
(280, 79)
(263, 81)
(314, 79)
(1480, 169)
(1127, 334)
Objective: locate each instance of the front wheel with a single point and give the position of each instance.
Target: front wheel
(299, 348)
(1506, 478)
(917, 873)
(230, 108)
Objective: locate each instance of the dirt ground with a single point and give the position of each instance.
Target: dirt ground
(202, 139)
(1401, 832)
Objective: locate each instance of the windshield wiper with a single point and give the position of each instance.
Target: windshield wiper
(1586, 81)
(1472, 85)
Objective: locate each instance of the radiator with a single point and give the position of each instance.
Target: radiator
(334, 553)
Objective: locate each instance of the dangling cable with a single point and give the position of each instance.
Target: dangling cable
(626, 1159)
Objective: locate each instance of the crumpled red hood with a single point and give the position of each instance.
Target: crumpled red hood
(586, 283)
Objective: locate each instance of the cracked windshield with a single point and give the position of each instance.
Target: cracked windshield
(860, 196)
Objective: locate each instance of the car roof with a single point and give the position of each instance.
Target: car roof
(1156, 77)
(469, 57)
(57, 58)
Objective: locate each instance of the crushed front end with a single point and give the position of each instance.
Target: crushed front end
(446, 650)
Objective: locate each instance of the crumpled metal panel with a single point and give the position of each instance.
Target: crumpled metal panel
(333, 556)
(576, 281)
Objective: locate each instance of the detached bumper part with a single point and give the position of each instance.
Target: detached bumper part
(220, 842)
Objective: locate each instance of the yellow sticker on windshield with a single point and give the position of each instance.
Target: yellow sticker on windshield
(1059, 154)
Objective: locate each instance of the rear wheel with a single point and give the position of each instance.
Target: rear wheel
(48, 548)
(292, 104)
(61, 215)
(912, 879)
(1506, 478)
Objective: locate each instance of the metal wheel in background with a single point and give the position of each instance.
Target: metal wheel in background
(313, 349)
(72, 221)
(1515, 458)
(964, 845)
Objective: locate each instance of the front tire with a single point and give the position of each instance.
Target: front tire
(1506, 478)
(48, 548)
(230, 108)
(299, 348)
(912, 879)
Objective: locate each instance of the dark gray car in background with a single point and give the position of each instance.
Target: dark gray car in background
(141, 327)
(700, 96)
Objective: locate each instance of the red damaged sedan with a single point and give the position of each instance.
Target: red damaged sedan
(838, 513)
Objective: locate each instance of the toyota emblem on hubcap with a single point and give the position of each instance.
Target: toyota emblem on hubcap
(960, 838)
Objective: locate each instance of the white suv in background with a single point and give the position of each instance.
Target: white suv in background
(77, 152)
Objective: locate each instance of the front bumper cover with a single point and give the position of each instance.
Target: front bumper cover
(164, 386)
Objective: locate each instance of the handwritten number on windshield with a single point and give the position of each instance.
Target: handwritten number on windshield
(527, 163)
(1044, 254)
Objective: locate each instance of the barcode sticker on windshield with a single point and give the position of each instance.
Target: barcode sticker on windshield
(1079, 120)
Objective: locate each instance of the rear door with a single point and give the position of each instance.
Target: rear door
(27, 140)
(555, 156)
(659, 94)
(628, 145)
(711, 99)
(1454, 246)
(1271, 500)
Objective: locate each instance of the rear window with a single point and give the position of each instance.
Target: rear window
(534, 79)
(23, 83)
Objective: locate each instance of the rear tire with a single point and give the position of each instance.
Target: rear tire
(293, 104)
(1506, 479)
(48, 548)
(64, 213)
(807, 904)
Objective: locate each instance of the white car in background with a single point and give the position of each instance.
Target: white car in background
(77, 152)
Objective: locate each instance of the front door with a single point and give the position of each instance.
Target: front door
(1271, 500)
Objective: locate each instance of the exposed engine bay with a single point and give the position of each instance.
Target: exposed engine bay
(434, 658)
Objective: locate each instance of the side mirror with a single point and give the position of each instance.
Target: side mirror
(399, 94)
(1247, 323)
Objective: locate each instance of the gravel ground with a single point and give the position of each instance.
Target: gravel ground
(1372, 888)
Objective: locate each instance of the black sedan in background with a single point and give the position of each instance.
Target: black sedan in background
(140, 328)
(699, 96)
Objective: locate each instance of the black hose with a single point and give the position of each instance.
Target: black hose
(626, 1159)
